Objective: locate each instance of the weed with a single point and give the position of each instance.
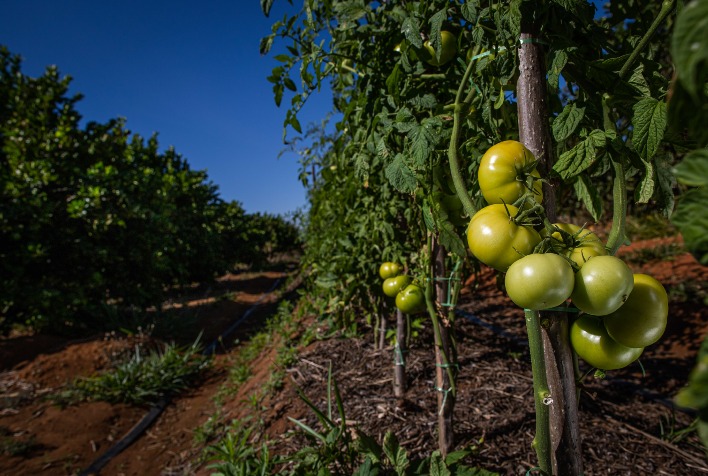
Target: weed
(236, 454)
(12, 445)
(143, 379)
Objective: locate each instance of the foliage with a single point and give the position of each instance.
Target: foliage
(144, 379)
(689, 111)
(234, 455)
(93, 215)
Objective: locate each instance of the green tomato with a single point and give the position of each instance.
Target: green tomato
(539, 281)
(393, 286)
(602, 285)
(448, 49)
(641, 320)
(503, 171)
(579, 247)
(592, 344)
(496, 240)
(411, 300)
(389, 270)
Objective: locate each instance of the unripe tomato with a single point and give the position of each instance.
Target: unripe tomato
(602, 285)
(585, 245)
(592, 344)
(539, 281)
(496, 240)
(411, 300)
(641, 320)
(502, 173)
(389, 270)
(448, 48)
(393, 286)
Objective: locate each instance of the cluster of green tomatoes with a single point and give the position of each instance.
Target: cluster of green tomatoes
(410, 298)
(620, 313)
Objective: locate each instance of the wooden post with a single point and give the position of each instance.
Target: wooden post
(445, 357)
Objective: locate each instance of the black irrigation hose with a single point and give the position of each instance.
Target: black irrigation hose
(648, 394)
(157, 408)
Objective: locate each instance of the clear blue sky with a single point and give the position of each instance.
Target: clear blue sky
(190, 71)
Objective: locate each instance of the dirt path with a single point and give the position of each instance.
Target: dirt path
(54, 440)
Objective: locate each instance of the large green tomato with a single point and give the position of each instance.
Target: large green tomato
(411, 300)
(583, 245)
(592, 344)
(496, 240)
(393, 286)
(539, 281)
(641, 320)
(448, 49)
(389, 270)
(503, 170)
(602, 285)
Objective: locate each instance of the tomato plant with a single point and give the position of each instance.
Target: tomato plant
(539, 281)
(389, 270)
(641, 320)
(496, 239)
(504, 170)
(593, 344)
(576, 243)
(602, 285)
(392, 286)
(411, 300)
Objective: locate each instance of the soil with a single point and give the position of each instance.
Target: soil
(627, 421)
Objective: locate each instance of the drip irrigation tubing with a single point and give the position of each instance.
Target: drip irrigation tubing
(638, 389)
(160, 406)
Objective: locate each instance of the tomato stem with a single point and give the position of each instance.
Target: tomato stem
(542, 397)
(453, 152)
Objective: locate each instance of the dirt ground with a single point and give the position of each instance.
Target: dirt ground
(628, 424)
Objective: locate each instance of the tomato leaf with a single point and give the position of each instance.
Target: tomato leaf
(400, 175)
(560, 59)
(437, 465)
(565, 124)
(436, 22)
(266, 6)
(587, 193)
(396, 455)
(582, 156)
(645, 190)
(450, 239)
(411, 31)
(469, 12)
(689, 46)
(693, 169)
(649, 125)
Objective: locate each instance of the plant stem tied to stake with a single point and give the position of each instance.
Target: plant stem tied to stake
(557, 441)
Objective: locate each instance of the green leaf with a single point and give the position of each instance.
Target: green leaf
(393, 82)
(266, 6)
(396, 455)
(437, 465)
(290, 84)
(451, 240)
(649, 121)
(645, 190)
(424, 138)
(560, 59)
(411, 30)
(400, 175)
(565, 124)
(469, 12)
(689, 46)
(582, 156)
(693, 169)
(691, 218)
(588, 194)
(367, 468)
(436, 22)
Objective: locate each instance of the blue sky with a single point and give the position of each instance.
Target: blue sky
(190, 71)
